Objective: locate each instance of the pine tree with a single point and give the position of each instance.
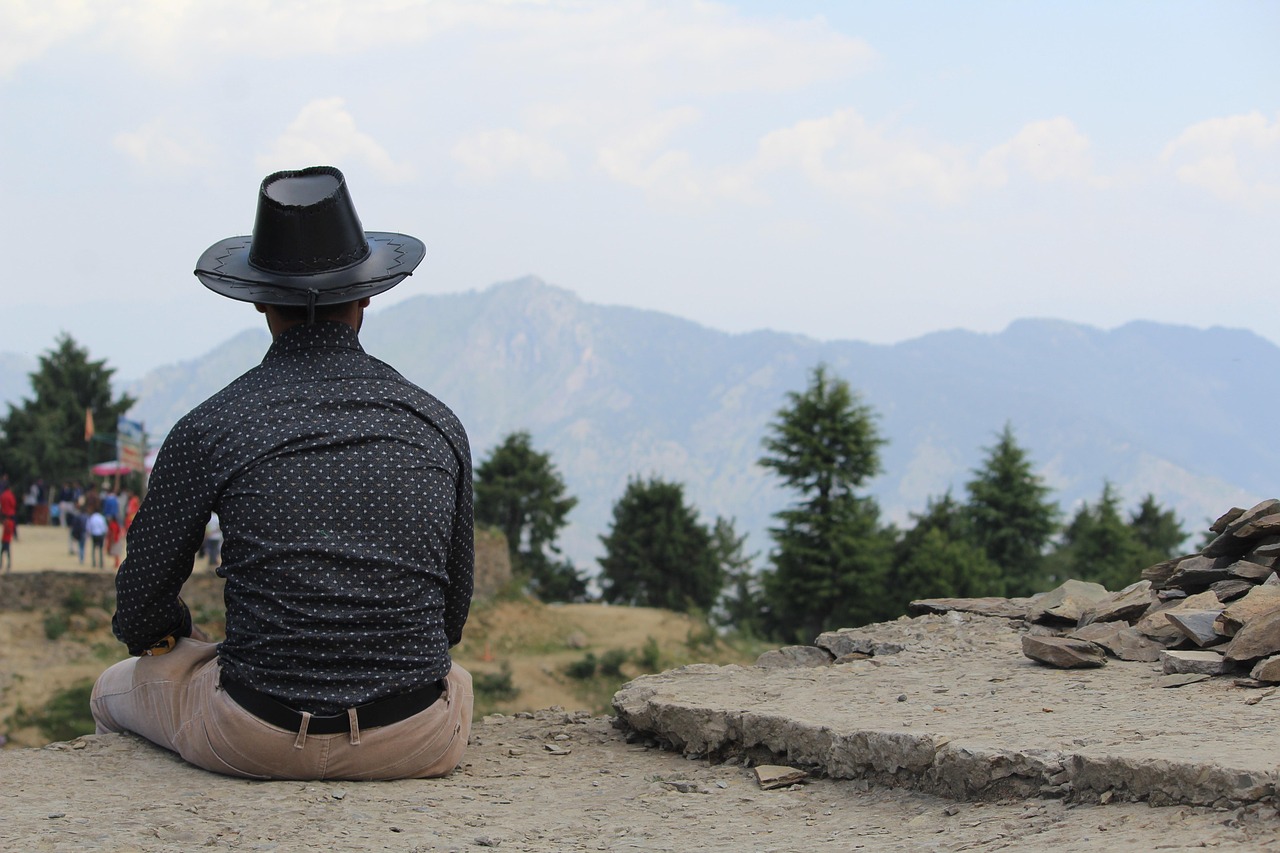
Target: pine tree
(831, 554)
(1098, 545)
(1012, 518)
(939, 558)
(742, 603)
(657, 554)
(519, 491)
(45, 436)
(1157, 530)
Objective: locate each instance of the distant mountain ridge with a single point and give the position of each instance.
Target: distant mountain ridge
(616, 392)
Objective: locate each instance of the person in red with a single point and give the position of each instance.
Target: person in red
(9, 521)
(115, 539)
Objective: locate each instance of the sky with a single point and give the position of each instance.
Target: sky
(843, 170)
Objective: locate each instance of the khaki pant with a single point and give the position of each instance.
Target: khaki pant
(176, 702)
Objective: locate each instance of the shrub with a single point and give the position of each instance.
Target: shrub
(495, 686)
(650, 659)
(65, 717)
(55, 624)
(76, 600)
(582, 669)
(611, 662)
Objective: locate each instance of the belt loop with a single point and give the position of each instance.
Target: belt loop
(353, 722)
(301, 740)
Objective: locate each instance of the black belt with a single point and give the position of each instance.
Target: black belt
(380, 712)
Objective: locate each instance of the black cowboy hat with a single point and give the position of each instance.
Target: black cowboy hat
(308, 247)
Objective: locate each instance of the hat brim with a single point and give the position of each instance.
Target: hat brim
(224, 268)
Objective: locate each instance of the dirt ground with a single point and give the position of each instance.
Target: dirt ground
(550, 781)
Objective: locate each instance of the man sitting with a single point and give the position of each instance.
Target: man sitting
(344, 495)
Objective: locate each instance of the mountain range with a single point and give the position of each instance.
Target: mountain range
(613, 393)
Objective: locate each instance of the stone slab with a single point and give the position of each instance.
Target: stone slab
(960, 712)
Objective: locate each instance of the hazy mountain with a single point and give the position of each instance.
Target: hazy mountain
(615, 392)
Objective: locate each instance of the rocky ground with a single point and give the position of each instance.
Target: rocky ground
(553, 781)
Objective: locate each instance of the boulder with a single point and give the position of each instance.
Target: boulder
(1261, 599)
(1063, 652)
(1197, 662)
(1123, 641)
(1129, 603)
(1196, 625)
(1259, 638)
(1068, 602)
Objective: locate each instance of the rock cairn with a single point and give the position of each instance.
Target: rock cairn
(1216, 612)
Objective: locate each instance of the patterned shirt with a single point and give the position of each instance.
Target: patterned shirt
(345, 499)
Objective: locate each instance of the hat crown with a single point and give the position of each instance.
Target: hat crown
(306, 224)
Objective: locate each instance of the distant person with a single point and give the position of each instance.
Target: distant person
(115, 540)
(213, 540)
(8, 519)
(95, 527)
(131, 510)
(8, 532)
(110, 504)
(339, 613)
(76, 528)
(66, 502)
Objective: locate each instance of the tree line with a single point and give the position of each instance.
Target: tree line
(834, 562)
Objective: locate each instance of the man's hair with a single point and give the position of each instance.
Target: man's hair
(323, 312)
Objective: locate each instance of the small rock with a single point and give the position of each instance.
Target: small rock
(770, 776)
(486, 841)
(1180, 679)
(1067, 602)
(1202, 662)
(1121, 640)
(794, 656)
(1196, 625)
(576, 640)
(1063, 652)
(1261, 599)
(1128, 603)
(1259, 638)
(1267, 669)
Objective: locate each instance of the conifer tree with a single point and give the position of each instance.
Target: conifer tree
(519, 491)
(45, 435)
(1012, 517)
(657, 554)
(1098, 545)
(831, 555)
(938, 558)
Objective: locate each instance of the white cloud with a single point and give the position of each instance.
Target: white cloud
(1050, 150)
(159, 148)
(1236, 158)
(29, 28)
(846, 155)
(491, 154)
(325, 133)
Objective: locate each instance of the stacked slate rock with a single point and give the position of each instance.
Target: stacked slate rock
(1211, 613)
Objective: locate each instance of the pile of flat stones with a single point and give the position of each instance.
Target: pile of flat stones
(1216, 612)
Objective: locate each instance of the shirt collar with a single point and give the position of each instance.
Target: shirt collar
(322, 334)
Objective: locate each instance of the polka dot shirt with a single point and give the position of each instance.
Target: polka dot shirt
(345, 498)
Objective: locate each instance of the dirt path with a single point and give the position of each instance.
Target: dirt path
(591, 791)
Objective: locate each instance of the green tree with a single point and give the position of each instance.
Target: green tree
(1012, 517)
(1157, 530)
(45, 436)
(519, 491)
(742, 604)
(1099, 545)
(831, 554)
(938, 557)
(657, 553)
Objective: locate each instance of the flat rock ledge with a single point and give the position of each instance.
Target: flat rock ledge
(958, 711)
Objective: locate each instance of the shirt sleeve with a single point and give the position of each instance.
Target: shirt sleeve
(462, 552)
(162, 545)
